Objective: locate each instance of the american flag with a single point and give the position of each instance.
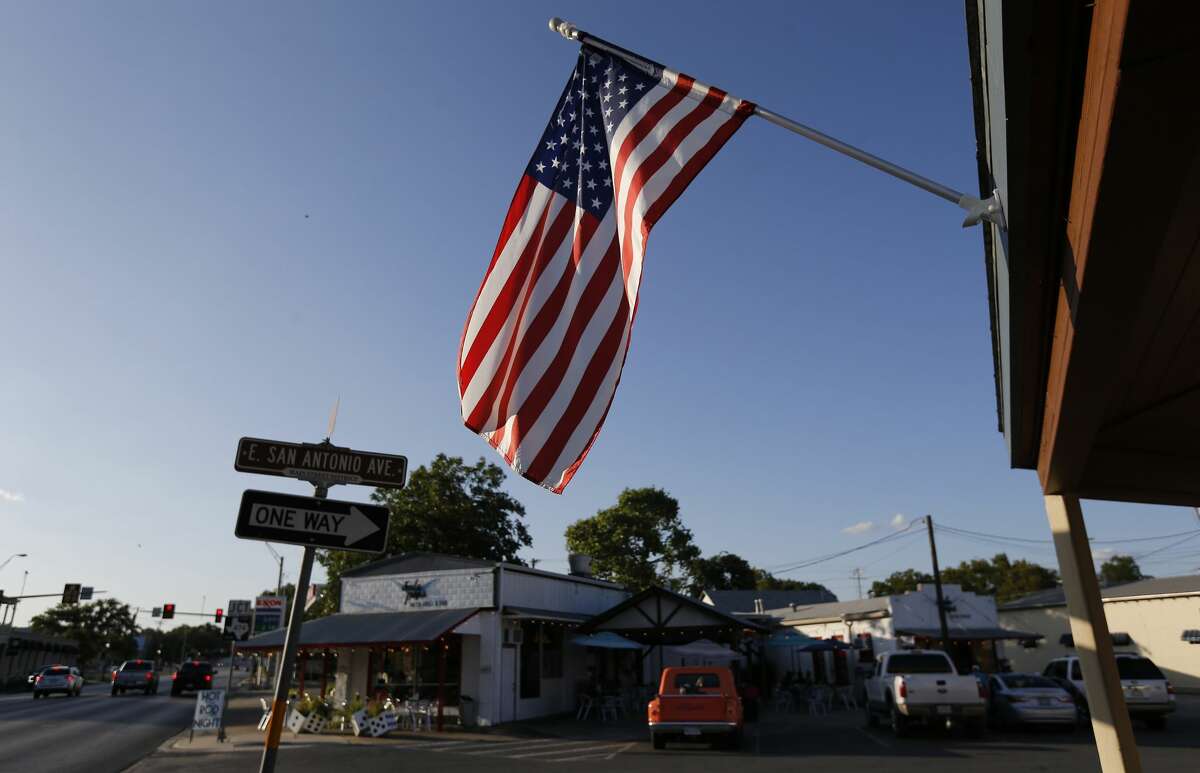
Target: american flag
(544, 344)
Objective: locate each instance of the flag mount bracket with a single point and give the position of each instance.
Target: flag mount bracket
(977, 210)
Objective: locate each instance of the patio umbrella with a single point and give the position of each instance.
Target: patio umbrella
(789, 637)
(703, 648)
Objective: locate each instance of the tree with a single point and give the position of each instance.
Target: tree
(1119, 569)
(638, 542)
(202, 641)
(999, 576)
(764, 580)
(724, 571)
(447, 507)
(93, 625)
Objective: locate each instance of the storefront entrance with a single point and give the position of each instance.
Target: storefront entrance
(418, 671)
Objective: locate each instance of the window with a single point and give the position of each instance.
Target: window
(552, 652)
(919, 664)
(1138, 668)
(1026, 681)
(1075, 672)
(531, 660)
(695, 684)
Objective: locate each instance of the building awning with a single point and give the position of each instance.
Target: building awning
(529, 613)
(1191, 636)
(368, 628)
(606, 640)
(976, 634)
(658, 616)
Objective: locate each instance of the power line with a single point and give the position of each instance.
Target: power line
(1166, 547)
(830, 556)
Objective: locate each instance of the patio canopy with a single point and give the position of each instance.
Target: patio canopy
(977, 634)
(365, 629)
(657, 616)
(606, 640)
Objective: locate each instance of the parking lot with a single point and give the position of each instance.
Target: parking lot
(838, 741)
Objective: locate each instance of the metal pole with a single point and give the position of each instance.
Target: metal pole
(937, 587)
(291, 642)
(977, 209)
(228, 689)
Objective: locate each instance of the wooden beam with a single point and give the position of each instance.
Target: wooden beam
(1106, 702)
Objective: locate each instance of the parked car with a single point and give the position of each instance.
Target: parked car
(912, 686)
(1149, 695)
(63, 679)
(1019, 699)
(696, 703)
(139, 675)
(192, 675)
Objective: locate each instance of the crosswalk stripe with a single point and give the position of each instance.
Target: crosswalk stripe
(509, 746)
(573, 752)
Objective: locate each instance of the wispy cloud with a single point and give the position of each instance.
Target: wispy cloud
(11, 496)
(1103, 554)
(862, 527)
(898, 521)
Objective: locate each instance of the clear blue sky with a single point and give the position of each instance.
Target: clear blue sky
(811, 350)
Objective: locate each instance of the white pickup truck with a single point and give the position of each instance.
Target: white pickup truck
(911, 686)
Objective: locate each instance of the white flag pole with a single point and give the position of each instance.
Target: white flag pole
(977, 209)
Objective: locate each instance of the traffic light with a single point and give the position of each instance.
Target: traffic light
(168, 611)
(220, 614)
(71, 593)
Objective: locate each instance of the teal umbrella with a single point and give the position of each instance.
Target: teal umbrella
(789, 637)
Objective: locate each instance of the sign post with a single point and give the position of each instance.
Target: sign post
(237, 628)
(312, 522)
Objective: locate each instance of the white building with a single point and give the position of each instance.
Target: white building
(1158, 618)
(441, 627)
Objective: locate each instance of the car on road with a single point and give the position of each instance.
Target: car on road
(32, 677)
(922, 686)
(1149, 696)
(140, 675)
(64, 679)
(1029, 699)
(696, 703)
(192, 675)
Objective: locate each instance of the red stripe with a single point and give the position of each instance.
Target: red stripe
(655, 161)
(544, 321)
(585, 394)
(502, 305)
(539, 397)
(485, 406)
(693, 167)
(516, 209)
(647, 123)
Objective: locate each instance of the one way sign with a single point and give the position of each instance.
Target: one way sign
(322, 523)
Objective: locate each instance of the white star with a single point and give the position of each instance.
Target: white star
(541, 168)
(610, 127)
(575, 144)
(603, 164)
(594, 79)
(591, 185)
(607, 182)
(610, 69)
(608, 83)
(622, 90)
(569, 99)
(566, 182)
(587, 166)
(638, 86)
(596, 203)
(606, 97)
(622, 77)
(598, 147)
(554, 163)
(588, 112)
(623, 103)
(571, 116)
(575, 75)
(562, 140)
(560, 121)
(607, 113)
(593, 130)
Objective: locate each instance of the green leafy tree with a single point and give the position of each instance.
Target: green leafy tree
(638, 542)
(899, 582)
(93, 625)
(764, 580)
(724, 571)
(1119, 569)
(447, 507)
(999, 576)
(184, 641)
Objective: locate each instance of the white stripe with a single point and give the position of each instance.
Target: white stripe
(582, 435)
(494, 356)
(535, 436)
(504, 264)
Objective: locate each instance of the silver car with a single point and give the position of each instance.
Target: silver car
(1019, 699)
(64, 679)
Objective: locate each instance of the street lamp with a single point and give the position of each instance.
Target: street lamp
(14, 555)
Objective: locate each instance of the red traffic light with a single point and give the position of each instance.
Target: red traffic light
(220, 614)
(168, 611)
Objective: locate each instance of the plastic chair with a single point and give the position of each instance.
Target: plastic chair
(610, 708)
(846, 696)
(817, 702)
(585, 707)
(783, 701)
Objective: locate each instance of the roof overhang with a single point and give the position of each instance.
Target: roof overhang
(370, 629)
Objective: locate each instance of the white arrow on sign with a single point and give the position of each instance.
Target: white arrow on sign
(354, 527)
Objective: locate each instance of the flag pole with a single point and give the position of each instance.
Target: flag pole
(977, 209)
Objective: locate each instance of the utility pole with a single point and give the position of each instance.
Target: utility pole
(937, 586)
(858, 577)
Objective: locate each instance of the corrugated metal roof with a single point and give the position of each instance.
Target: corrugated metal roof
(982, 633)
(836, 609)
(731, 601)
(362, 628)
(1155, 586)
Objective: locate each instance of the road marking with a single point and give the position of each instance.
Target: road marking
(871, 735)
(574, 752)
(574, 757)
(487, 747)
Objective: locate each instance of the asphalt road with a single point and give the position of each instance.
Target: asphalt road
(838, 742)
(94, 733)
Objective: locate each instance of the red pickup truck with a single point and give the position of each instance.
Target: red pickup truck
(696, 703)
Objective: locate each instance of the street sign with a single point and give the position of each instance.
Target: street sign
(320, 463)
(322, 523)
(268, 613)
(85, 593)
(239, 620)
(240, 607)
(156, 612)
(210, 704)
(70, 593)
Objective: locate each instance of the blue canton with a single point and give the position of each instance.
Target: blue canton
(573, 156)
